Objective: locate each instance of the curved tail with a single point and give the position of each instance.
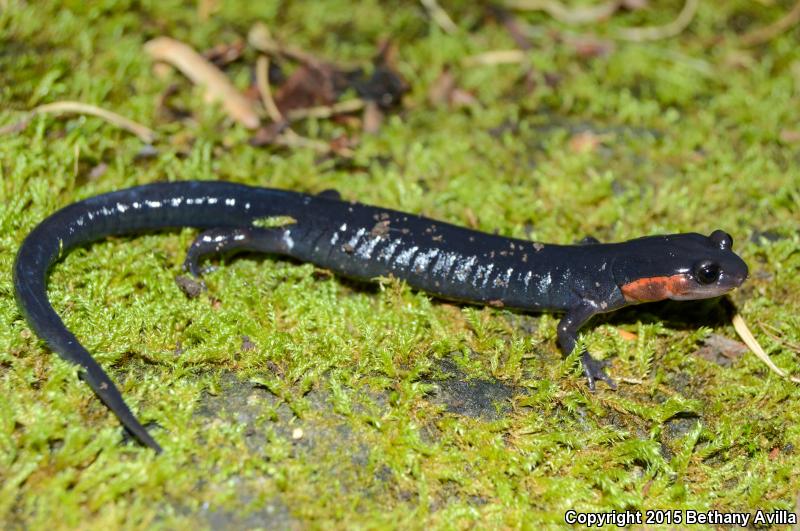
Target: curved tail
(154, 206)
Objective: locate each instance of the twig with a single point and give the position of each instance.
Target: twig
(654, 33)
(579, 15)
(287, 138)
(326, 111)
(202, 72)
(770, 31)
(750, 341)
(291, 139)
(260, 38)
(262, 82)
(146, 134)
(495, 57)
(773, 334)
(439, 16)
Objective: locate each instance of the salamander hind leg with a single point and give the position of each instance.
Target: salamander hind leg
(330, 193)
(588, 240)
(227, 240)
(568, 327)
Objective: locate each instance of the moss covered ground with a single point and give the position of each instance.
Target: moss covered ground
(287, 398)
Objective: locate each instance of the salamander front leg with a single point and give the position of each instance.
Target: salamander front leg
(224, 240)
(567, 337)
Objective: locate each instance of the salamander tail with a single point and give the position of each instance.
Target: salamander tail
(30, 270)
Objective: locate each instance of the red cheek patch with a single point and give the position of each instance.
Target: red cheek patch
(655, 288)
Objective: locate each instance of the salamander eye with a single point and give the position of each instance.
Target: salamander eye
(707, 272)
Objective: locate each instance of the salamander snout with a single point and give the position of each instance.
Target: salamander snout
(716, 270)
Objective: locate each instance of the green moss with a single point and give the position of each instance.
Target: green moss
(274, 222)
(287, 398)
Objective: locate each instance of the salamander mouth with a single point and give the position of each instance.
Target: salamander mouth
(679, 287)
(727, 282)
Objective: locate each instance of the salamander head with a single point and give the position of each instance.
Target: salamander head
(679, 267)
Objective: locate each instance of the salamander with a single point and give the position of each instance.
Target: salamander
(364, 242)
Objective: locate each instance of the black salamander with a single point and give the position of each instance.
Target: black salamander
(364, 242)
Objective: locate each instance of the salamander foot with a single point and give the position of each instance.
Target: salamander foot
(595, 370)
(190, 286)
(212, 241)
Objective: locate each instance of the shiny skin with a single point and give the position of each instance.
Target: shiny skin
(365, 242)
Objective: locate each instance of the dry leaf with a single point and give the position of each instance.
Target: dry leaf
(440, 90)
(265, 136)
(584, 142)
(373, 118)
(721, 350)
(444, 90)
(590, 47)
(790, 136)
(309, 86)
(202, 72)
(226, 53)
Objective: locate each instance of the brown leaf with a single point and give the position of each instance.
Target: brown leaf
(309, 86)
(440, 90)
(462, 98)
(790, 136)
(584, 142)
(721, 350)
(444, 90)
(265, 136)
(591, 47)
(252, 93)
(342, 145)
(225, 53)
(98, 171)
(387, 54)
(373, 118)
(646, 488)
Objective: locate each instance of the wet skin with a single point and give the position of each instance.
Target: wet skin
(365, 242)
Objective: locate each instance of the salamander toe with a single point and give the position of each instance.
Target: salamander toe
(594, 370)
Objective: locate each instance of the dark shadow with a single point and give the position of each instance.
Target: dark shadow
(680, 315)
